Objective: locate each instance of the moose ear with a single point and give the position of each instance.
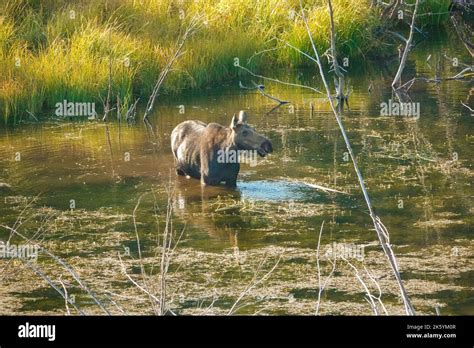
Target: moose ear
(242, 117)
(234, 122)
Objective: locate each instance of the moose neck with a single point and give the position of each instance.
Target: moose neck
(229, 140)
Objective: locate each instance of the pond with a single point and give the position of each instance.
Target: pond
(84, 190)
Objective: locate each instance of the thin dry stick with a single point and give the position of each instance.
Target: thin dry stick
(249, 60)
(167, 251)
(18, 222)
(109, 145)
(142, 268)
(32, 115)
(468, 107)
(65, 266)
(459, 76)
(124, 270)
(319, 268)
(322, 287)
(109, 89)
(131, 112)
(339, 79)
(65, 296)
(378, 298)
(320, 187)
(379, 228)
(276, 80)
(464, 38)
(370, 297)
(51, 283)
(119, 119)
(253, 283)
(164, 257)
(260, 88)
(190, 30)
(401, 67)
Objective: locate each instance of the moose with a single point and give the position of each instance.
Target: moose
(212, 152)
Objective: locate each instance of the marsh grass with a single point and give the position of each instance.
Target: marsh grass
(56, 50)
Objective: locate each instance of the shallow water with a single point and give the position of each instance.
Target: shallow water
(418, 174)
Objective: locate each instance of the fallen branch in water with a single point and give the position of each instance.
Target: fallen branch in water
(319, 187)
(276, 80)
(261, 88)
(400, 89)
(459, 76)
(64, 265)
(147, 292)
(380, 229)
(408, 46)
(55, 287)
(382, 232)
(468, 107)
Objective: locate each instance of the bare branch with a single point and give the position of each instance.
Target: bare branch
(54, 286)
(379, 227)
(401, 67)
(253, 283)
(66, 266)
(322, 286)
(260, 88)
(468, 107)
(370, 297)
(190, 30)
(278, 81)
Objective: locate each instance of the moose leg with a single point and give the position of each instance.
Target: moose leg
(231, 182)
(210, 180)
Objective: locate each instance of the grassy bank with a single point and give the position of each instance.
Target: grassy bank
(55, 50)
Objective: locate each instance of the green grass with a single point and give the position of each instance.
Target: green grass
(68, 58)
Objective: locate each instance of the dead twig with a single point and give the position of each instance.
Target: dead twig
(54, 286)
(468, 107)
(253, 283)
(192, 27)
(322, 286)
(261, 88)
(277, 80)
(408, 45)
(379, 227)
(66, 267)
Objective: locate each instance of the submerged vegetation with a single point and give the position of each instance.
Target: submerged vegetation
(52, 51)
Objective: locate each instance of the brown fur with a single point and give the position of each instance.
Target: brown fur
(196, 147)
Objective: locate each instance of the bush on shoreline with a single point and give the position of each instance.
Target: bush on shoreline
(55, 50)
